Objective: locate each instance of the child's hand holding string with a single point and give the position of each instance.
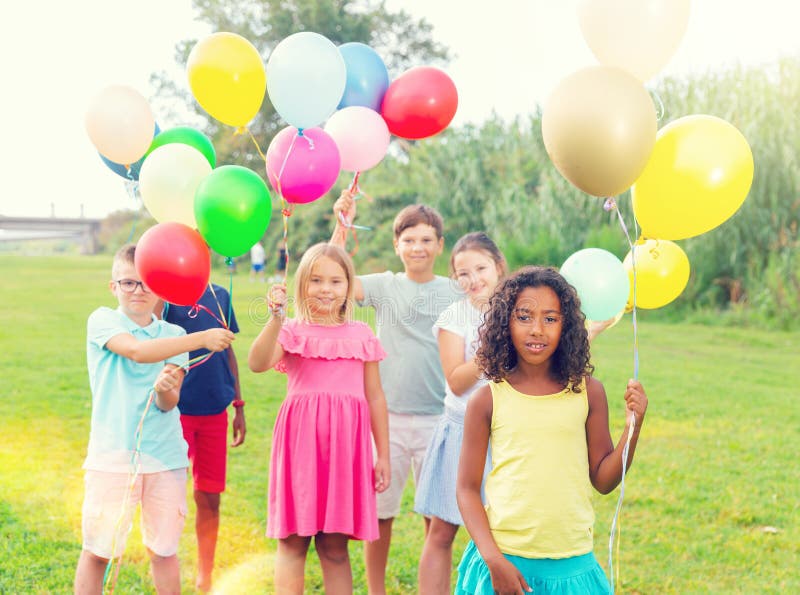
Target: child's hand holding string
(276, 300)
(506, 579)
(217, 339)
(635, 400)
(344, 209)
(167, 387)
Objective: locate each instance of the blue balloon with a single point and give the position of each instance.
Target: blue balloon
(367, 77)
(121, 170)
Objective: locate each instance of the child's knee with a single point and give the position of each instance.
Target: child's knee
(332, 550)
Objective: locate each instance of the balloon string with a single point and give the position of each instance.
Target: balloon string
(286, 209)
(617, 520)
(255, 142)
(660, 109)
(611, 205)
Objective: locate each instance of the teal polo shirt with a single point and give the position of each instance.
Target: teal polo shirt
(120, 390)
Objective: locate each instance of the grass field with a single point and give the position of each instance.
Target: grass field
(711, 504)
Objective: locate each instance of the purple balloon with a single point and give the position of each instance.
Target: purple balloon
(302, 167)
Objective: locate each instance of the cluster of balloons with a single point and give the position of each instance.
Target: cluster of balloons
(600, 130)
(182, 189)
(341, 108)
(339, 103)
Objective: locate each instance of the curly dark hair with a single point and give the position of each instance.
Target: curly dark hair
(496, 355)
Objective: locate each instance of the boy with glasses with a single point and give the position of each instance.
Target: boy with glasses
(136, 448)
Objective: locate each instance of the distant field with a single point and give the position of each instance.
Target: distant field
(712, 503)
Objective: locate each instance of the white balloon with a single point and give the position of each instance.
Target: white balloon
(168, 180)
(120, 124)
(639, 36)
(306, 77)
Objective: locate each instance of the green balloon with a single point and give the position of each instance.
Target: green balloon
(232, 207)
(187, 136)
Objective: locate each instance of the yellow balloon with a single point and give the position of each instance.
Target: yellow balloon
(662, 272)
(599, 126)
(698, 176)
(227, 77)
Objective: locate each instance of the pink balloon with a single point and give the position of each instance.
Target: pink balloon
(311, 167)
(361, 135)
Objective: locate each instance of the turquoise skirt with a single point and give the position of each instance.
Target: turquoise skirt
(580, 575)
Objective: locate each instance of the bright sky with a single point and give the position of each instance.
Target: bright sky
(508, 58)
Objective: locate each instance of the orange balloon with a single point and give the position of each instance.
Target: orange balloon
(599, 126)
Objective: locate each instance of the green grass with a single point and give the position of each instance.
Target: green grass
(711, 504)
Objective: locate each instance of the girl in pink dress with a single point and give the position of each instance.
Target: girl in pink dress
(323, 480)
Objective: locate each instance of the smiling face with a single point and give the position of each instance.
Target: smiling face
(418, 247)
(535, 325)
(477, 274)
(137, 305)
(326, 291)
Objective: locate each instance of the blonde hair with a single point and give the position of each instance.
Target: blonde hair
(311, 256)
(125, 255)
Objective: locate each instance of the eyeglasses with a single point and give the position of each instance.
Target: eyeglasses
(129, 285)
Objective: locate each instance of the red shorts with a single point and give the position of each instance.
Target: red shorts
(207, 437)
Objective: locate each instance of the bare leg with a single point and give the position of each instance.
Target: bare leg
(376, 555)
(89, 574)
(290, 565)
(436, 561)
(166, 573)
(335, 561)
(207, 528)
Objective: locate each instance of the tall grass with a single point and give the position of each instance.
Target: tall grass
(711, 502)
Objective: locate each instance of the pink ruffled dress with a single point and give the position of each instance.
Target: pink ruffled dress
(321, 468)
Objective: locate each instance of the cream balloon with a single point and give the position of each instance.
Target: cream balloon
(120, 124)
(168, 180)
(599, 127)
(639, 36)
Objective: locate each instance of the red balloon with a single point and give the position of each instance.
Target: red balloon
(419, 103)
(173, 261)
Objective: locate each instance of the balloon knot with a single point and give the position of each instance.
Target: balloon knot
(194, 311)
(286, 212)
(299, 132)
(610, 204)
(240, 130)
(229, 261)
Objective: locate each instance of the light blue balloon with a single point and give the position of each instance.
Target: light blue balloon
(120, 169)
(600, 280)
(306, 76)
(367, 76)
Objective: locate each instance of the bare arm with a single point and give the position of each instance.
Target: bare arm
(265, 351)
(379, 422)
(343, 208)
(477, 423)
(460, 375)
(168, 387)
(605, 460)
(239, 426)
(152, 351)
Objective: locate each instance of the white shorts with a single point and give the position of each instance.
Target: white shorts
(409, 436)
(106, 525)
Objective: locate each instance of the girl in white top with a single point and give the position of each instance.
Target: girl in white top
(478, 265)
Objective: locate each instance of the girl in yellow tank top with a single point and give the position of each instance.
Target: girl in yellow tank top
(547, 420)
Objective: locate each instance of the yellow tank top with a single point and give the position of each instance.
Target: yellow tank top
(538, 494)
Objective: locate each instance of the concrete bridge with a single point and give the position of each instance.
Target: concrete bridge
(15, 229)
